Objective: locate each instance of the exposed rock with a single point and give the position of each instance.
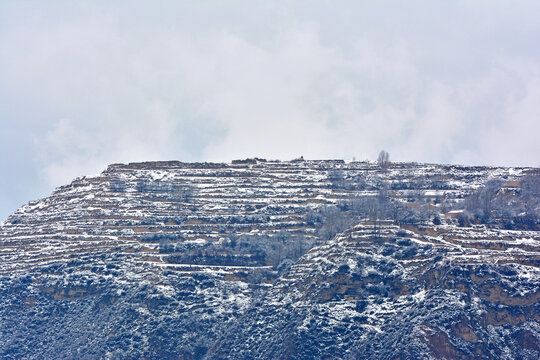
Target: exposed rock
(269, 259)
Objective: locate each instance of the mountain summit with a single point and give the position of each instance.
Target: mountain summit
(260, 259)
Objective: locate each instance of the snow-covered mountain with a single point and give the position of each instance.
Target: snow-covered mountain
(276, 260)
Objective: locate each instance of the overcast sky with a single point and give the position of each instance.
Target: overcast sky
(87, 83)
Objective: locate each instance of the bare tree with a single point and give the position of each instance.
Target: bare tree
(384, 158)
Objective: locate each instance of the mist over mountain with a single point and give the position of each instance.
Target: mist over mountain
(268, 259)
(87, 83)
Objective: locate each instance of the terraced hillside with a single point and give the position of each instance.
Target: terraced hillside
(271, 259)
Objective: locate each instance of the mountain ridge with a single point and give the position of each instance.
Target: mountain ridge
(295, 259)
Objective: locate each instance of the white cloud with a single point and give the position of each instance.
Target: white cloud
(103, 83)
(515, 140)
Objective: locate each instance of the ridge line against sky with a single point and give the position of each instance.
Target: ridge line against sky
(89, 83)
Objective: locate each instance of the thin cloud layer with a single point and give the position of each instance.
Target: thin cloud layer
(87, 84)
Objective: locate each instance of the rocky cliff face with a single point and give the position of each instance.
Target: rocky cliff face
(269, 259)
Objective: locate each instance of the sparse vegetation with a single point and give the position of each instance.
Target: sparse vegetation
(165, 260)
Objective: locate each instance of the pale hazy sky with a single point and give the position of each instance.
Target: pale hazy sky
(87, 83)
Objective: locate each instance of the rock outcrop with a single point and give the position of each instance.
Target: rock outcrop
(276, 260)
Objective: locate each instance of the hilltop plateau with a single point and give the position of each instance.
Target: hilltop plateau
(263, 259)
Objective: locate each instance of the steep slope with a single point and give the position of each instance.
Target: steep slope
(168, 259)
(389, 293)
